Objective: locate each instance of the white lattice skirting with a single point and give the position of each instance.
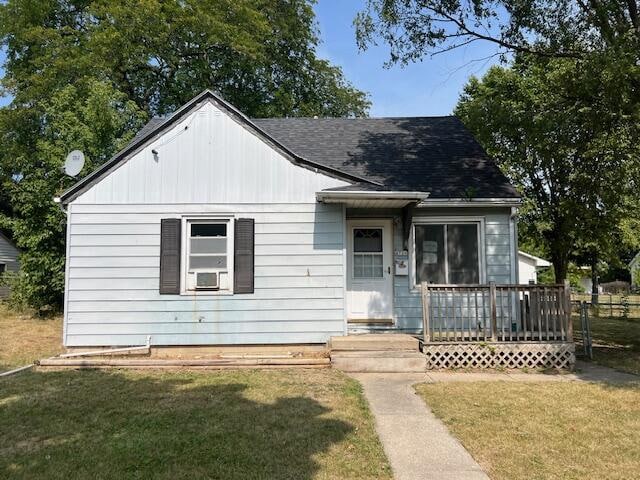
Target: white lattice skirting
(500, 355)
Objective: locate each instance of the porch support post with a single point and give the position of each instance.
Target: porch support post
(493, 311)
(425, 312)
(567, 309)
(407, 215)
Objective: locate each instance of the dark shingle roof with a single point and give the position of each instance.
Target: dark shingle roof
(154, 123)
(436, 155)
(431, 154)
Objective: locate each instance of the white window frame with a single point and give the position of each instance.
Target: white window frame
(354, 253)
(453, 220)
(184, 254)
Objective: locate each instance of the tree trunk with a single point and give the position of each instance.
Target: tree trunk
(560, 266)
(595, 280)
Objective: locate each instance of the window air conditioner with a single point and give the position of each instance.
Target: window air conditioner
(207, 280)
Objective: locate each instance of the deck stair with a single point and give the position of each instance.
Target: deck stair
(384, 352)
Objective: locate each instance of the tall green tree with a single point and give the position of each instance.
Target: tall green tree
(547, 28)
(574, 160)
(566, 115)
(88, 73)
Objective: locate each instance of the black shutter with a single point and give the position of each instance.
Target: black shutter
(243, 255)
(170, 256)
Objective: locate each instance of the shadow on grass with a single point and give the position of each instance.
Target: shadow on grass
(616, 342)
(98, 424)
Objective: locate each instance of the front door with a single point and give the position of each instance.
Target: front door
(369, 277)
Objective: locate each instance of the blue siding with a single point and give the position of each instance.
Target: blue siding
(112, 286)
(499, 265)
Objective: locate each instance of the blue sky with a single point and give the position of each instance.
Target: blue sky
(430, 87)
(3, 100)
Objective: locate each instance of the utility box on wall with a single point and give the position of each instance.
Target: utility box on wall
(401, 262)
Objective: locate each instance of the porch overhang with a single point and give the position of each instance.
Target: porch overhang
(371, 199)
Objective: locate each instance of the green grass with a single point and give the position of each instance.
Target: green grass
(616, 342)
(24, 338)
(296, 424)
(543, 431)
(612, 305)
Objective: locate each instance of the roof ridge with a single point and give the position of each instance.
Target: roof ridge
(356, 118)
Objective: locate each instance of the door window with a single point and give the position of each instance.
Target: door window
(367, 253)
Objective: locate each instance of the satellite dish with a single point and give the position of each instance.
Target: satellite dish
(73, 163)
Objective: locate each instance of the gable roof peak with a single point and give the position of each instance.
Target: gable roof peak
(155, 127)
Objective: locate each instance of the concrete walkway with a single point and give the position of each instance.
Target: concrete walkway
(417, 444)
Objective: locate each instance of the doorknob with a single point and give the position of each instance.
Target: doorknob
(389, 270)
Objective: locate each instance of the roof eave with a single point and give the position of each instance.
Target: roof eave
(472, 202)
(330, 196)
(539, 262)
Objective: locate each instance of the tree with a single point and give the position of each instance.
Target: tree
(94, 118)
(547, 28)
(574, 160)
(574, 91)
(88, 73)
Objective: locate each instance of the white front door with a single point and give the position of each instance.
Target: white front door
(369, 272)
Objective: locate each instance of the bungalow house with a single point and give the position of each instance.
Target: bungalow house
(528, 266)
(212, 228)
(9, 254)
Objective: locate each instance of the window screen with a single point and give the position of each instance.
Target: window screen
(447, 253)
(462, 253)
(430, 254)
(208, 246)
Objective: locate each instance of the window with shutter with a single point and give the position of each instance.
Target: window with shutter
(244, 255)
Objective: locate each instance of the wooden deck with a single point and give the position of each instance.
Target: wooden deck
(496, 313)
(489, 326)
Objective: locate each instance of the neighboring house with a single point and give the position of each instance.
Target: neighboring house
(214, 228)
(634, 268)
(585, 281)
(8, 260)
(528, 266)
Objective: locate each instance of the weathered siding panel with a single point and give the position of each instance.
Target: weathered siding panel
(207, 158)
(499, 255)
(113, 296)
(208, 163)
(499, 252)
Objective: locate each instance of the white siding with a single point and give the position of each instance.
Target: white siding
(215, 166)
(207, 157)
(527, 270)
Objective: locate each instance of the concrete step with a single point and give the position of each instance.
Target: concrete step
(375, 342)
(378, 361)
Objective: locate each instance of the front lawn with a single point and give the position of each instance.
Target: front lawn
(24, 338)
(243, 424)
(616, 342)
(543, 431)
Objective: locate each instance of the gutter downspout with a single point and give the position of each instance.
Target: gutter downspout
(514, 231)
